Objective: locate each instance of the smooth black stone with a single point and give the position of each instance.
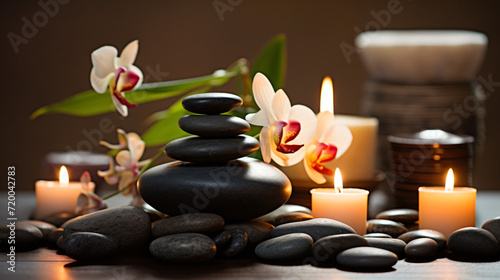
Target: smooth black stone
(397, 246)
(238, 243)
(58, 219)
(183, 248)
(129, 225)
(213, 125)
(326, 249)
(421, 249)
(55, 234)
(197, 149)
(316, 228)
(294, 246)
(85, 246)
(60, 243)
(237, 190)
(222, 239)
(27, 236)
(392, 228)
(211, 103)
(196, 222)
(377, 235)
(361, 258)
(292, 217)
(473, 242)
(493, 226)
(405, 216)
(44, 227)
(257, 231)
(428, 233)
(287, 208)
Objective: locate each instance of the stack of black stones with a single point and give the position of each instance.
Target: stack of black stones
(212, 174)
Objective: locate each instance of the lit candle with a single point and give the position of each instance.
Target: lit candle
(57, 196)
(358, 162)
(347, 205)
(447, 209)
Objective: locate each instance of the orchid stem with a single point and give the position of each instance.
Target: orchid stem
(257, 136)
(146, 167)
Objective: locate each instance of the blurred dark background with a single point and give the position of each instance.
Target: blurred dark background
(181, 39)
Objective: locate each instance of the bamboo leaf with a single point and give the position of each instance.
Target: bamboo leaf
(271, 61)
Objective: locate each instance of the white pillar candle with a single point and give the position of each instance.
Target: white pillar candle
(57, 196)
(347, 205)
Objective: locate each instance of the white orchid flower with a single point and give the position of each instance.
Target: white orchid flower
(286, 129)
(329, 143)
(118, 73)
(129, 163)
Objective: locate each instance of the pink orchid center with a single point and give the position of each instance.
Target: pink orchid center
(128, 81)
(285, 132)
(320, 154)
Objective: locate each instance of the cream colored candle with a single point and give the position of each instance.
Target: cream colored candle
(448, 208)
(347, 205)
(57, 196)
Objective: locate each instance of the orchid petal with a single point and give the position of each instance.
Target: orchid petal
(291, 131)
(123, 158)
(281, 105)
(125, 180)
(109, 145)
(259, 118)
(265, 144)
(103, 60)
(317, 177)
(307, 120)
(100, 85)
(129, 53)
(127, 81)
(122, 109)
(138, 72)
(136, 147)
(112, 180)
(341, 137)
(263, 94)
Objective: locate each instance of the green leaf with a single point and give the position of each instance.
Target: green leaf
(166, 128)
(90, 103)
(271, 61)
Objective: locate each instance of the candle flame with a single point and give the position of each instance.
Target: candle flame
(63, 176)
(337, 181)
(450, 181)
(326, 100)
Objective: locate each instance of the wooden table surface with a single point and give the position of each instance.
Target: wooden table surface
(45, 263)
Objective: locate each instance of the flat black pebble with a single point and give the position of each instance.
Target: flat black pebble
(473, 242)
(421, 249)
(211, 103)
(222, 239)
(326, 249)
(195, 222)
(238, 243)
(425, 233)
(493, 226)
(213, 125)
(197, 149)
(397, 246)
(392, 228)
(316, 228)
(294, 246)
(292, 217)
(257, 231)
(45, 228)
(87, 246)
(183, 248)
(58, 219)
(377, 235)
(27, 236)
(362, 258)
(405, 216)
